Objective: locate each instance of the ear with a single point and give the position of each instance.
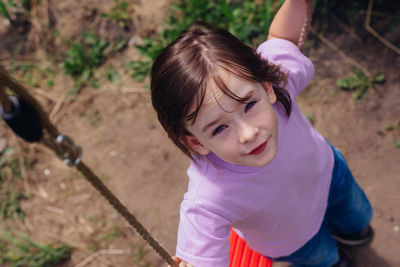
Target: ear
(270, 92)
(195, 145)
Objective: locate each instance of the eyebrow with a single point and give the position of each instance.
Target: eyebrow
(213, 122)
(205, 128)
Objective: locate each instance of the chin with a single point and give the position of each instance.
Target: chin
(268, 157)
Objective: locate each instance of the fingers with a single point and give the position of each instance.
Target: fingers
(181, 262)
(185, 264)
(175, 258)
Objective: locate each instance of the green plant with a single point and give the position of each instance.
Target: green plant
(248, 20)
(113, 75)
(95, 118)
(22, 251)
(83, 58)
(359, 83)
(10, 8)
(119, 12)
(33, 75)
(397, 144)
(10, 193)
(4, 10)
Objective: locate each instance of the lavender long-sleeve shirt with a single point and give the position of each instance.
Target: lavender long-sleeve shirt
(276, 208)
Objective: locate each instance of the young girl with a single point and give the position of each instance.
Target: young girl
(257, 164)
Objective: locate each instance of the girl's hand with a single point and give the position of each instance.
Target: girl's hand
(181, 262)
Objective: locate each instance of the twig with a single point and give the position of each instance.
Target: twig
(55, 210)
(22, 168)
(44, 94)
(58, 105)
(368, 27)
(340, 52)
(98, 253)
(55, 114)
(85, 225)
(378, 14)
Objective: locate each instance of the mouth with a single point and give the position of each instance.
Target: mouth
(259, 149)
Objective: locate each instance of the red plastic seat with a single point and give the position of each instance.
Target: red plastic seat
(241, 255)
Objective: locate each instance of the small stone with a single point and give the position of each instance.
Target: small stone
(396, 228)
(132, 41)
(63, 186)
(113, 153)
(46, 172)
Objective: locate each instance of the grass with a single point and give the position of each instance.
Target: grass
(112, 75)
(10, 191)
(95, 118)
(33, 75)
(102, 240)
(120, 12)
(248, 20)
(19, 251)
(359, 83)
(10, 8)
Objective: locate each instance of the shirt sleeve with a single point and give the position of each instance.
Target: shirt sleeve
(299, 68)
(203, 236)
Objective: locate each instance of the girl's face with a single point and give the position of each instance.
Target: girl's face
(239, 133)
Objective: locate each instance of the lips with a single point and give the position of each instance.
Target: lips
(259, 149)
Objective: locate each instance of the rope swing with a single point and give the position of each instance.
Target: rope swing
(26, 117)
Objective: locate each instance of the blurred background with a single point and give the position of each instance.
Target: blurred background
(87, 63)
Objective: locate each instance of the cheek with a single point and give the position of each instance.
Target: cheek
(268, 117)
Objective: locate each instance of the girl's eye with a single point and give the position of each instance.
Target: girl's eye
(249, 106)
(219, 129)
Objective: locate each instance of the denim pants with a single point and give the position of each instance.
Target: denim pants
(348, 211)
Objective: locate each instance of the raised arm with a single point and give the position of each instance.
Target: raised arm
(288, 22)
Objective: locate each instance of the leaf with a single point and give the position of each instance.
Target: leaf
(344, 84)
(4, 10)
(397, 144)
(378, 78)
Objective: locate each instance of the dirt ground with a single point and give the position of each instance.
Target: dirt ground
(131, 153)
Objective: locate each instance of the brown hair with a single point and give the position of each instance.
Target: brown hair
(180, 74)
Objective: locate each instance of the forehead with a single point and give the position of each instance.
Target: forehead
(222, 93)
(225, 86)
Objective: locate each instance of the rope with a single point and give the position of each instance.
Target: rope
(49, 140)
(306, 25)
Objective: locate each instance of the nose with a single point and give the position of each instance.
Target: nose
(247, 132)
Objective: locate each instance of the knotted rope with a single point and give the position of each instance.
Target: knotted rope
(306, 25)
(70, 152)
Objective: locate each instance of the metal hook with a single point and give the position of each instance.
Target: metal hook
(66, 140)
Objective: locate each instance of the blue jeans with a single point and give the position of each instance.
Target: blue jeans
(348, 211)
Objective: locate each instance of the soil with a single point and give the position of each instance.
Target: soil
(125, 145)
